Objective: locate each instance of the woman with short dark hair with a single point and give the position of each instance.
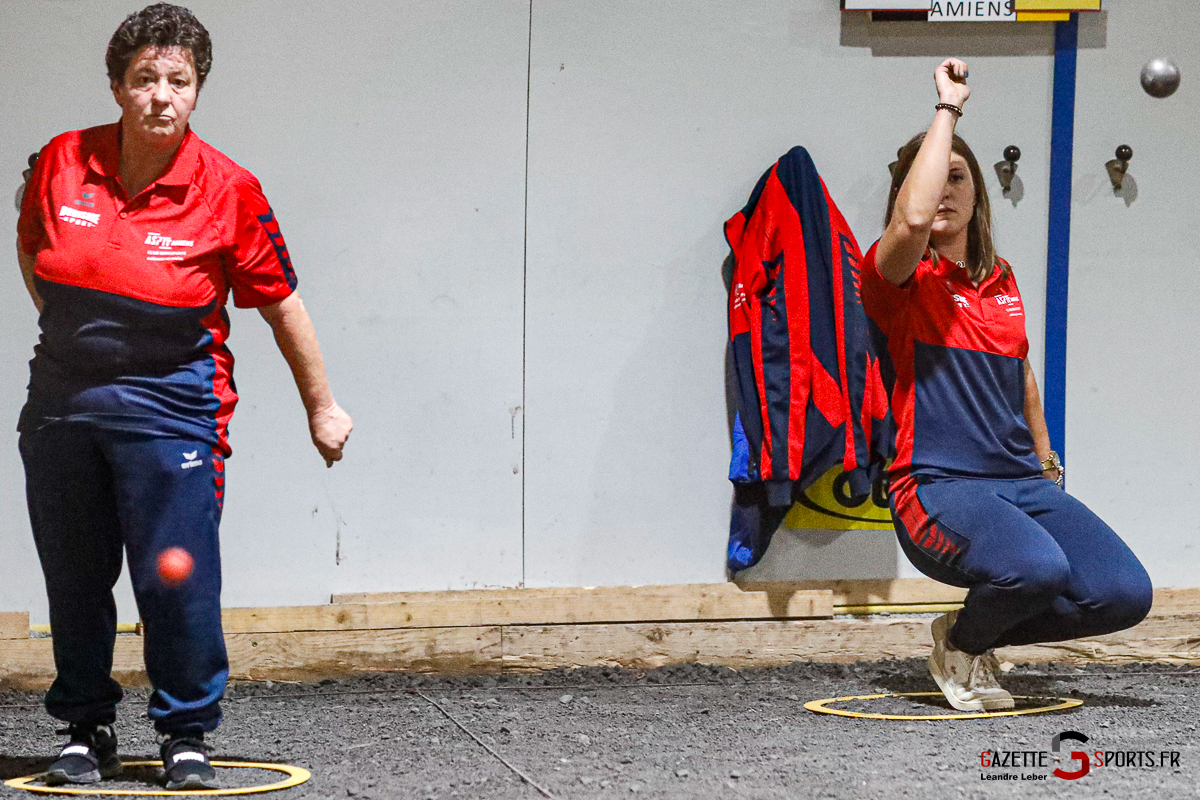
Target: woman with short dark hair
(975, 489)
(132, 236)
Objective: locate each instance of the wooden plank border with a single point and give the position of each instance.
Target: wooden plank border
(883, 591)
(378, 637)
(684, 603)
(313, 655)
(845, 592)
(14, 625)
(756, 644)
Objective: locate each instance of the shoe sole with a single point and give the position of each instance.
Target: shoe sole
(191, 782)
(95, 776)
(60, 778)
(998, 705)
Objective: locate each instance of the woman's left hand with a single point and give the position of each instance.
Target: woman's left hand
(330, 428)
(1055, 474)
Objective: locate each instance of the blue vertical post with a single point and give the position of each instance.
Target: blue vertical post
(1058, 253)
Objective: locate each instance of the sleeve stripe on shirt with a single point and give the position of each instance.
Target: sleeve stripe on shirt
(276, 237)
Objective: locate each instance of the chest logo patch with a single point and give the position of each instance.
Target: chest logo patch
(1010, 304)
(164, 248)
(962, 301)
(84, 219)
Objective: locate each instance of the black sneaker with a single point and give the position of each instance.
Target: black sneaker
(185, 763)
(89, 756)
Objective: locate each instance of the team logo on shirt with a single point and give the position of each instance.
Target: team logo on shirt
(962, 301)
(164, 248)
(1010, 304)
(84, 219)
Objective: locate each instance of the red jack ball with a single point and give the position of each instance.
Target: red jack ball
(174, 566)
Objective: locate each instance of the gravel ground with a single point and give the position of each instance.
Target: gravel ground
(689, 731)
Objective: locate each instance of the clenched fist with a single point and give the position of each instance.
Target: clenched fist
(951, 80)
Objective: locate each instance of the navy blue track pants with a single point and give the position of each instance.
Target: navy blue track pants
(94, 493)
(1040, 566)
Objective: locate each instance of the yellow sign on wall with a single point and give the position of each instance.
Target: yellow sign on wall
(1058, 5)
(828, 505)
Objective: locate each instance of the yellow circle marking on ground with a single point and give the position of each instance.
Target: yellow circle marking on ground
(295, 777)
(821, 707)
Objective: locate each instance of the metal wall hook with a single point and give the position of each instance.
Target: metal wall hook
(1118, 166)
(1006, 170)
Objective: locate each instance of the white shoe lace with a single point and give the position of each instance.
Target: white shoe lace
(983, 672)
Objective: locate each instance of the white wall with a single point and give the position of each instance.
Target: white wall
(649, 128)
(1133, 376)
(391, 143)
(391, 139)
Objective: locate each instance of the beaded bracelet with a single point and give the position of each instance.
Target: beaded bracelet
(957, 110)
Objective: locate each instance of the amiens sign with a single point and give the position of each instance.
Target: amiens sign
(976, 10)
(973, 11)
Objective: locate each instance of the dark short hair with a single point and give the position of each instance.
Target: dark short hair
(159, 25)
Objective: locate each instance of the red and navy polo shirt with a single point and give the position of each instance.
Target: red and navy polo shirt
(134, 289)
(956, 375)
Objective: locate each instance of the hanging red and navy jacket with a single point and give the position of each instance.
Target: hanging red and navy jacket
(808, 391)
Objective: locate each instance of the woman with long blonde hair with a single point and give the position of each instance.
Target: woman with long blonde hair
(976, 492)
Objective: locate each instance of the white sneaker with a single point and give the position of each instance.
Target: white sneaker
(969, 682)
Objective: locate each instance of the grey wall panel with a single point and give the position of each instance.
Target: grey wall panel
(390, 138)
(1132, 375)
(649, 124)
(44, 90)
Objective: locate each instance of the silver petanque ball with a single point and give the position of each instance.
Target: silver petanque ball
(1160, 77)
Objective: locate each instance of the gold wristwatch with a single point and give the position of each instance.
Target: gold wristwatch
(1052, 462)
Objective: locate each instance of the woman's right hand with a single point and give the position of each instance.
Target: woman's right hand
(951, 80)
(330, 428)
